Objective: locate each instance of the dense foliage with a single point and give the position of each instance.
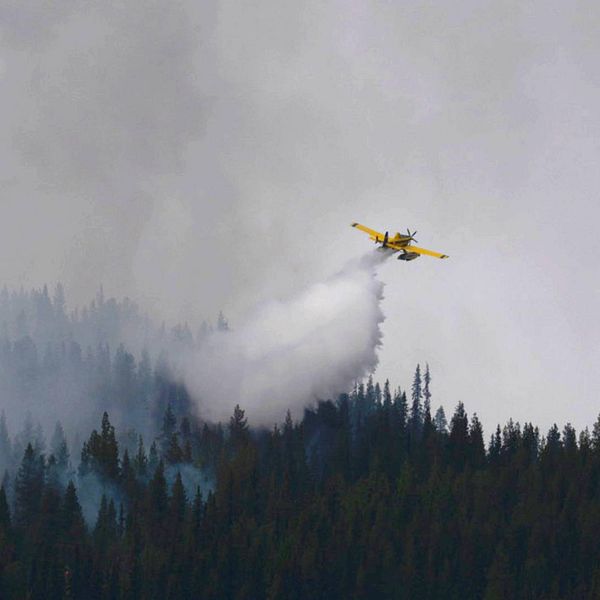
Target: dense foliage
(74, 365)
(366, 497)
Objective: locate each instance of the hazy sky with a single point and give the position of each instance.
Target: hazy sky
(198, 156)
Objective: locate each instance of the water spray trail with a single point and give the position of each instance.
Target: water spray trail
(288, 353)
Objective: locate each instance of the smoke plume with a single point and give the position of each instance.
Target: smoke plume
(291, 352)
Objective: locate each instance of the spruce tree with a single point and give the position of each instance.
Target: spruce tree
(426, 390)
(387, 396)
(416, 409)
(152, 458)
(476, 444)
(140, 462)
(5, 521)
(72, 517)
(29, 485)
(5, 445)
(109, 460)
(238, 428)
(59, 447)
(173, 454)
(169, 427)
(178, 502)
(439, 421)
(458, 439)
(157, 495)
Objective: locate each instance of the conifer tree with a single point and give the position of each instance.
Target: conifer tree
(197, 516)
(110, 449)
(596, 435)
(101, 452)
(5, 522)
(59, 448)
(105, 530)
(169, 427)
(29, 485)
(178, 501)
(53, 474)
(370, 398)
(152, 458)
(387, 396)
(238, 427)
(24, 437)
(416, 409)
(157, 498)
(459, 436)
(140, 462)
(72, 517)
(426, 390)
(174, 454)
(495, 446)
(5, 445)
(439, 421)
(476, 444)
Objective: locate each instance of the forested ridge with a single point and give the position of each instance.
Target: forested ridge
(368, 495)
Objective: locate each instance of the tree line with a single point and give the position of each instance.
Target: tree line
(74, 365)
(366, 496)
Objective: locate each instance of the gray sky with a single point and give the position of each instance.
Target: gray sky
(205, 157)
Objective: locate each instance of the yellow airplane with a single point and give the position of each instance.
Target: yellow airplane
(399, 243)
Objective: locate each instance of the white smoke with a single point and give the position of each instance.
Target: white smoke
(289, 353)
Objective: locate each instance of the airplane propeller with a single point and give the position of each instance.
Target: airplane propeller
(412, 235)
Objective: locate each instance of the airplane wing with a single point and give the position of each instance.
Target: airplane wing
(374, 234)
(425, 251)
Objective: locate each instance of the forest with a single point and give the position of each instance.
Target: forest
(371, 494)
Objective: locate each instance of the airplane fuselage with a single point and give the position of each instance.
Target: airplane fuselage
(403, 244)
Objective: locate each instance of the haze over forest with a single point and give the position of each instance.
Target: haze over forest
(205, 157)
(211, 386)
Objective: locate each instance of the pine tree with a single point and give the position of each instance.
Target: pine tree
(100, 454)
(174, 454)
(152, 458)
(105, 531)
(416, 409)
(238, 427)
(39, 440)
(73, 544)
(24, 437)
(197, 515)
(187, 452)
(439, 421)
(169, 427)
(426, 391)
(140, 462)
(72, 517)
(5, 445)
(459, 437)
(476, 444)
(59, 447)
(495, 450)
(387, 396)
(178, 502)
(370, 398)
(5, 522)
(596, 436)
(53, 474)
(110, 450)
(157, 499)
(29, 485)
